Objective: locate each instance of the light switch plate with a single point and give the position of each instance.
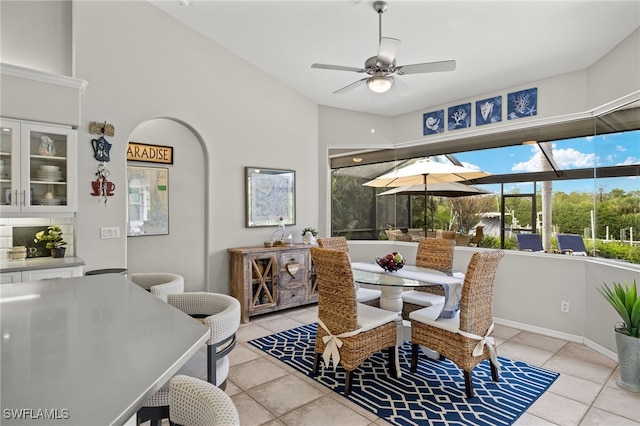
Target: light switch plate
(110, 232)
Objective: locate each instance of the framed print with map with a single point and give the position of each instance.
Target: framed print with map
(270, 195)
(148, 201)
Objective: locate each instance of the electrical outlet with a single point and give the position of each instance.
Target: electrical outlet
(110, 232)
(564, 306)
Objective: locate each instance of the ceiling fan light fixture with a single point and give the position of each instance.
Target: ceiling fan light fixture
(379, 83)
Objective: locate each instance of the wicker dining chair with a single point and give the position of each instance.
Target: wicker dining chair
(160, 284)
(219, 312)
(465, 339)
(362, 329)
(194, 402)
(368, 296)
(434, 253)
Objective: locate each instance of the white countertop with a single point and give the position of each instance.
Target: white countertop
(39, 263)
(90, 350)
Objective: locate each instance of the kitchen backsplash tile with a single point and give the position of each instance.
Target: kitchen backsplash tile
(12, 226)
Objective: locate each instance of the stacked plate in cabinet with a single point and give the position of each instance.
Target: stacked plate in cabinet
(49, 173)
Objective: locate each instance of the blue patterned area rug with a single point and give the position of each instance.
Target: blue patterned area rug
(434, 395)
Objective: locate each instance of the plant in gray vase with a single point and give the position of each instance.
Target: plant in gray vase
(53, 240)
(626, 302)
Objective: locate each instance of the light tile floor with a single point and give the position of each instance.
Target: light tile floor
(267, 392)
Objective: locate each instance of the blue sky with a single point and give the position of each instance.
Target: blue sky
(603, 150)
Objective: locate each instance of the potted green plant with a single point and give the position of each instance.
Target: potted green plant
(626, 302)
(53, 240)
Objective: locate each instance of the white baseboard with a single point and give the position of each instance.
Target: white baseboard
(559, 335)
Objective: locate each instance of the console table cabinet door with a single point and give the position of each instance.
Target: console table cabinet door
(263, 282)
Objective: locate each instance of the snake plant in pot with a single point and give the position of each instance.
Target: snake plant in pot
(626, 302)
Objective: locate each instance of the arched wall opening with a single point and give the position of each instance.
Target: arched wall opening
(188, 206)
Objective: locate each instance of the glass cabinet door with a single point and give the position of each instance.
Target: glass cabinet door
(9, 166)
(48, 168)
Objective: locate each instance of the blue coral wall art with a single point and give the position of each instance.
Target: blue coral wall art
(522, 104)
(459, 116)
(433, 122)
(489, 111)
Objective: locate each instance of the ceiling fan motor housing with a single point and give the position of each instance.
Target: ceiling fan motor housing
(373, 65)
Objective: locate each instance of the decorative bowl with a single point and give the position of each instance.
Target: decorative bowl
(389, 264)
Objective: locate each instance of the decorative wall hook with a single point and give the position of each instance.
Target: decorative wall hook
(101, 128)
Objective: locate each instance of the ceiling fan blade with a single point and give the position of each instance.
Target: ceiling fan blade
(350, 87)
(400, 87)
(388, 49)
(337, 68)
(426, 67)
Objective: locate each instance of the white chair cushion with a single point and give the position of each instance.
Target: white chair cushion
(430, 315)
(370, 317)
(421, 298)
(367, 295)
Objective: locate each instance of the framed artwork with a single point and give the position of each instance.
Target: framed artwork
(522, 104)
(147, 201)
(489, 111)
(433, 122)
(270, 195)
(459, 116)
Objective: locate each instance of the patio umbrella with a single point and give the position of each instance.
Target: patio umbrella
(424, 172)
(444, 189)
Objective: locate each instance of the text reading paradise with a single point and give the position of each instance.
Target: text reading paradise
(149, 153)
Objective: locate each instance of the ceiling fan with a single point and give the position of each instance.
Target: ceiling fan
(382, 68)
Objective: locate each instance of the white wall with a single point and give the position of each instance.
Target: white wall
(37, 34)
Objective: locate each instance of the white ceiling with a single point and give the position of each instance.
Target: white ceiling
(497, 44)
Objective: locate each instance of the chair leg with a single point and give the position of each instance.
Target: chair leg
(468, 384)
(392, 361)
(316, 364)
(415, 351)
(347, 383)
(495, 374)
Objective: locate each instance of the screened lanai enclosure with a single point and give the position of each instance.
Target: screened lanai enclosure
(575, 177)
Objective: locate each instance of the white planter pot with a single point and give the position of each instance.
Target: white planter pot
(629, 361)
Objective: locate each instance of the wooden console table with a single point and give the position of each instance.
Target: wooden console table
(270, 279)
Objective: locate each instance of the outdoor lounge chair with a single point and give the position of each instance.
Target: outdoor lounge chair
(572, 244)
(529, 242)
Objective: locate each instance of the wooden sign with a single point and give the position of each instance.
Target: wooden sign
(149, 153)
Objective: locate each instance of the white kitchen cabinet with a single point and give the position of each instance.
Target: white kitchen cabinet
(40, 274)
(45, 274)
(38, 168)
(10, 277)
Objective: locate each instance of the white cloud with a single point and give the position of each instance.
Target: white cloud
(570, 158)
(565, 159)
(628, 161)
(470, 166)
